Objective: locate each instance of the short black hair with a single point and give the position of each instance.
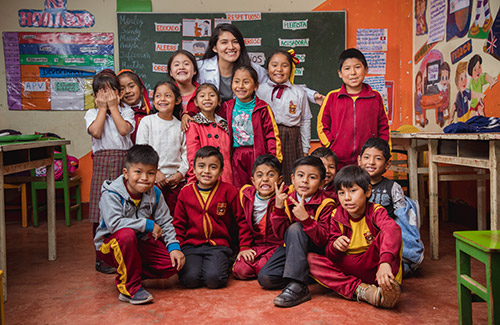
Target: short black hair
(310, 161)
(472, 63)
(352, 54)
(379, 144)
(323, 152)
(287, 55)
(268, 160)
(177, 94)
(352, 175)
(253, 74)
(105, 78)
(141, 154)
(209, 151)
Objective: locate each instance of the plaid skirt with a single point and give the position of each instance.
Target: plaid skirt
(106, 165)
(291, 146)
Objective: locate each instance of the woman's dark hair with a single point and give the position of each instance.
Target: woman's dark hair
(243, 59)
(177, 94)
(105, 78)
(190, 57)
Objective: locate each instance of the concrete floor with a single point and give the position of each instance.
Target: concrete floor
(70, 291)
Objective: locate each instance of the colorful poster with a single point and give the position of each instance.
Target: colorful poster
(483, 20)
(438, 18)
(458, 21)
(197, 27)
(50, 71)
(371, 39)
(376, 62)
(420, 9)
(492, 45)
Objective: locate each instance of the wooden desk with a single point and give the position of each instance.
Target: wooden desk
(20, 156)
(480, 151)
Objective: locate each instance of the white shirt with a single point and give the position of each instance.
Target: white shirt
(168, 140)
(111, 139)
(292, 109)
(259, 209)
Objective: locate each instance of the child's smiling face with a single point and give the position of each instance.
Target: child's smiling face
(476, 71)
(445, 77)
(462, 81)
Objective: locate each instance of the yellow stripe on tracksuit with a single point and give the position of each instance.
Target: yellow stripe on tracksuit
(321, 134)
(279, 153)
(121, 269)
(206, 217)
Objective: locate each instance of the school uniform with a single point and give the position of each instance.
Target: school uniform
(300, 237)
(374, 239)
(203, 132)
(140, 111)
(190, 106)
(293, 116)
(108, 154)
(264, 133)
(202, 220)
(330, 192)
(257, 212)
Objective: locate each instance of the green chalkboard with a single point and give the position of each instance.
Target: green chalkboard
(146, 42)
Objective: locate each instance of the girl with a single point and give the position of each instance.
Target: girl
(183, 70)
(252, 128)
(162, 132)
(208, 129)
(226, 51)
(110, 126)
(290, 107)
(134, 96)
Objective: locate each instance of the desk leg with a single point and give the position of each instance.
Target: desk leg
(481, 201)
(51, 207)
(494, 184)
(433, 201)
(3, 239)
(413, 169)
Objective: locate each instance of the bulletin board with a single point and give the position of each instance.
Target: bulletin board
(146, 42)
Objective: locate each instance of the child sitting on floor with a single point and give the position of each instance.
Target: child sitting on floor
(329, 159)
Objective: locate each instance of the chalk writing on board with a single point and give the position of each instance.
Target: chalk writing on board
(296, 42)
(376, 62)
(243, 16)
(374, 39)
(163, 27)
(438, 20)
(295, 24)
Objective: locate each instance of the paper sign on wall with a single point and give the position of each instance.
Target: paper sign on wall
(376, 62)
(438, 20)
(371, 39)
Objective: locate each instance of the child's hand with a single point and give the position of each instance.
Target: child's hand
(174, 180)
(248, 255)
(280, 196)
(299, 211)
(185, 122)
(177, 258)
(156, 232)
(384, 274)
(341, 243)
(160, 180)
(318, 98)
(112, 99)
(100, 100)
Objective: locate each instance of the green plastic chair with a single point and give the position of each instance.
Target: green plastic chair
(66, 183)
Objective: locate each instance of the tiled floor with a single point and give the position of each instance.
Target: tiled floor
(70, 291)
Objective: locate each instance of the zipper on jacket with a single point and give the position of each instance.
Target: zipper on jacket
(354, 128)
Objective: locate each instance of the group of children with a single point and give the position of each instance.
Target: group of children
(210, 181)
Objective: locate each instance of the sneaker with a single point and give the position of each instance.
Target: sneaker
(294, 294)
(377, 297)
(102, 267)
(140, 297)
(391, 297)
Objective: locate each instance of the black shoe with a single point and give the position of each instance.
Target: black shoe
(294, 294)
(102, 267)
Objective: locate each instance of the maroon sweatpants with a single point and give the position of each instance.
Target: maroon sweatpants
(135, 259)
(348, 272)
(170, 195)
(241, 162)
(244, 270)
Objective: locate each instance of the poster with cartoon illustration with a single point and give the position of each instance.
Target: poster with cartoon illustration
(196, 47)
(483, 20)
(196, 27)
(477, 83)
(420, 9)
(458, 22)
(492, 43)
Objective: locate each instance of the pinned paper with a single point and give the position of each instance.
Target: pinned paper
(376, 82)
(161, 68)
(371, 39)
(423, 51)
(165, 47)
(218, 21)
(376, 62)
(296, 42)
(257, 57)
(461, 52)
(34, 86)
(438, 20)
(197, 27)
(299, 72)
(244, 16)
(253, 41)
(196, 47)
(301, 57)
(163, 27)
(294, 24)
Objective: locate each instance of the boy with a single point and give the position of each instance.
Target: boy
(203, 216)
(364, 246)
(258, 202)
(135, 232)
(329, 159)
(375, 158)
(302, 219)
(352, 114)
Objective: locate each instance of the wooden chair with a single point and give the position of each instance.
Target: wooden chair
(66, 183)
(24, 205)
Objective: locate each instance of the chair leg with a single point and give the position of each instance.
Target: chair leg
(24, 206)
(34, 204)
(79, 202)
(67, 203)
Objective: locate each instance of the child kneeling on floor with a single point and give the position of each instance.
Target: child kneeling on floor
(135, 232)
(364, 247)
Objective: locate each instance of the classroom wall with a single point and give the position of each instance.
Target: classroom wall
(395, 15)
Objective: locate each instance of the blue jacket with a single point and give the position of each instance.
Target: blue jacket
(408, 219)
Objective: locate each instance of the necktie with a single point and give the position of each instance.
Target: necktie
(279, 89)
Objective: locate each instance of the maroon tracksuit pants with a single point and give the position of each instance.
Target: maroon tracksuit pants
(135, 259)
(244, 270)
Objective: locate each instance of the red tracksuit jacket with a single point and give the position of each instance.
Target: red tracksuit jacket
(344, 123)
(191, 108)
(266, 138)
(197, 222)
(247, 198)
(378, 222)
(316, 227)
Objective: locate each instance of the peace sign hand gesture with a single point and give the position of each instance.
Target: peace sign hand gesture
(280, 195)
(299, 210)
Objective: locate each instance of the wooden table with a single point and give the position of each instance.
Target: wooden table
(20, 156)
(480, 151)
